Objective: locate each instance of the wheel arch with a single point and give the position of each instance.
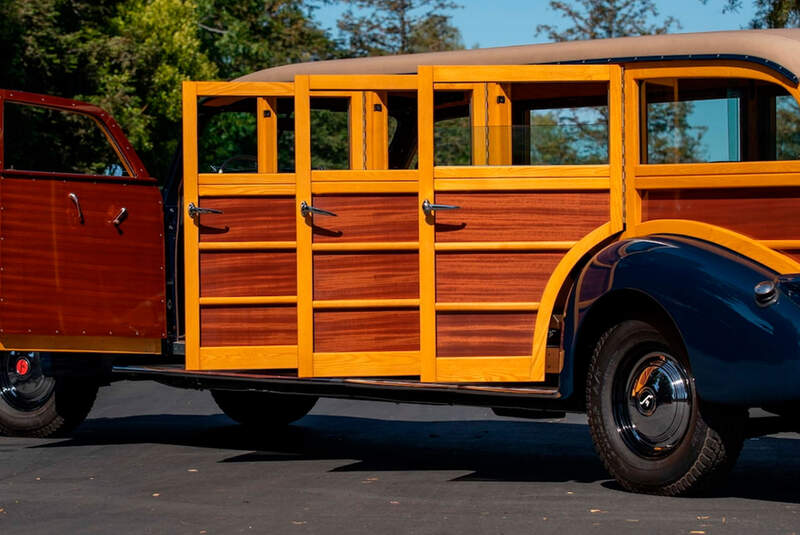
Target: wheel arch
(612, 308)
(701, 294)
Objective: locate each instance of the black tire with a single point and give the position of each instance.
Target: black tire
(261, 409)
(34, 405)
(648, 425)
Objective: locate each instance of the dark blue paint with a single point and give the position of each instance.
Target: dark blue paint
(739, 352)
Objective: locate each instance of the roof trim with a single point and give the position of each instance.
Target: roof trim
(780, 69)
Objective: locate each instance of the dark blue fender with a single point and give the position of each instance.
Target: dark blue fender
(739, 352)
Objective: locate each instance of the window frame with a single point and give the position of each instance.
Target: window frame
(111, 130)
(634, 124)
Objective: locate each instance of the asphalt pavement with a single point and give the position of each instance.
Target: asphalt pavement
(152, 459)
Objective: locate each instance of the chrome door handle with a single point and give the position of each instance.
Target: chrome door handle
(429, 208)
(306, 209)
(74, 198)
(121, 216)
(195, 211)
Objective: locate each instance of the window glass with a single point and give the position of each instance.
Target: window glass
(559, 123)
(787, 128)
(718, 120)
(452, 128)
(528, 124)
(37, 138)
(227, 139)
(330, 133)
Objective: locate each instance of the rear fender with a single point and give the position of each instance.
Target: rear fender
(739, 352)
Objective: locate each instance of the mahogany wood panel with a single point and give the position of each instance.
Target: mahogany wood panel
(366, 330)
(64, 276)
(248, 219)
(520, 216)
(249, 273)
(497, 276)
(761, 213)
(248, 326)
(365, 218)
(477, 334)
(389, 275)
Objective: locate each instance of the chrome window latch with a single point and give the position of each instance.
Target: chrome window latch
(195, 211)
(306, 209)
(121, 216)
(429, 208)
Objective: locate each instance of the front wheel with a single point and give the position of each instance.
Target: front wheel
(263, 410)
(35, 405)
(650, 428)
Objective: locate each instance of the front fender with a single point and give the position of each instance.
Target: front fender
(739, 352)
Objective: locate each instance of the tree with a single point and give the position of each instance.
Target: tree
(600, 19)
(380, 27)
(670, 137)
(769, 13)
(130, 56)
(242, 36)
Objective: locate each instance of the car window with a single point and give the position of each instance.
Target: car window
(38, 138)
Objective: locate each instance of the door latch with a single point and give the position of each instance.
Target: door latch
(195, 211)
(429, 208)
(74, 199)
(306, 209)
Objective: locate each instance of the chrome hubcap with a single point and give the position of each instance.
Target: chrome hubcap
(23, 386)
(653, 405)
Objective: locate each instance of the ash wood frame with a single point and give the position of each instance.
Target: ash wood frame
(374, 178)
(641, 177)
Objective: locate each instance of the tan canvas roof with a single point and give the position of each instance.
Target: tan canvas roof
(779, 48)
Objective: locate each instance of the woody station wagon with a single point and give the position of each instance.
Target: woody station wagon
(604, 226)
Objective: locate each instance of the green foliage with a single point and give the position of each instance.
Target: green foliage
(380, 27)
(130, 56)
(670, 136)
(670, 139)
(559, 137)
(452, 141)
(330, 139)
(769, 13)
(243, 36)
(227, 142)
(787, 128)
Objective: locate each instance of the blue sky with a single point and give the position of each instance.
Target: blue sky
(513, 22)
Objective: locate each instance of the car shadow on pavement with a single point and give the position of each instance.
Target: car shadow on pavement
(489, 450)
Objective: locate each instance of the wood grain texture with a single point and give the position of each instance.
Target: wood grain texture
(794, 254)
(248, 273)
(520, 216)
(391, 275)
(61, 276)
(484, 334)
(366, 330)
(760, 213)
(366, 218)
(248, 219)
(500, 276)
(248, 326)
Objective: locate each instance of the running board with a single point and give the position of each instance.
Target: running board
(376, 389)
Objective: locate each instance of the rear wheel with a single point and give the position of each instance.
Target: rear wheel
(35, 405)
(262, 409)
(652, 431)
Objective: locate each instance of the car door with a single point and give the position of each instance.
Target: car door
(81, 250)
